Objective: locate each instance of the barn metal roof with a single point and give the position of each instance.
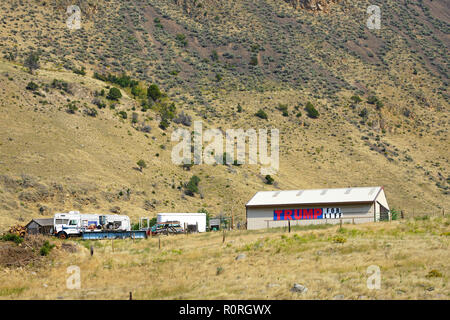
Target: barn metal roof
(315, 196)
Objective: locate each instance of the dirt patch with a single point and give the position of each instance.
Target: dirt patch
(19, 255)
(69, 247)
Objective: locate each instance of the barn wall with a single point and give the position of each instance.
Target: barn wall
(33, 228)
(260, 218)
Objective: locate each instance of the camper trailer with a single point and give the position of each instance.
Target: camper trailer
(75, 224)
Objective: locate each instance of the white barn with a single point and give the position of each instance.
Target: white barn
(270, 209)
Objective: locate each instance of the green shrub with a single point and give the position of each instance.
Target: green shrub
(32, 86)
(269, 179)
(219, 271)
(114, 94)
(32, 61)
(181, 38)
(364, 113)
(214, 55)
(372, 99)
(167, 113)
(142, 165)
(12, 237)
(192, 186)
(61, 85)
(99, 103)
(153, 92)
(261, 114)
(356, 99)
(137, 91)
(46, 248)
(135, 226)
(379, 104)
(92, 112)
(123, 80)
(311, 111)
(208, 215)
(164, 124)
(72, 108)
(81, 71)
(123, 114)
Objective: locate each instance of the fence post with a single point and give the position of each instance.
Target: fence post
(443, 212)
(289, 225)
(402, 215)
(223, 239)
(92, 251)
(340, 223)
(159, 242)
(353, 220)
(131, 295)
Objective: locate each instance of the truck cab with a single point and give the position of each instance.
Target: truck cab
(67, 224)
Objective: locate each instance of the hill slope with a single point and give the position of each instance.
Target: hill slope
(210, 58)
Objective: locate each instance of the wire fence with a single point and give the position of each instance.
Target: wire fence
(414, 213)
(350, 218)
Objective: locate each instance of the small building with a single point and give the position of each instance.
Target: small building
(40, 226)
(270, 209)
(219, 222)
(189, 221)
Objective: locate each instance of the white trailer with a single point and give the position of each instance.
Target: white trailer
(185, 219)
(74, 223)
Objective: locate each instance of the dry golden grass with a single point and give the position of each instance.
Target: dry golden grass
(186, 267)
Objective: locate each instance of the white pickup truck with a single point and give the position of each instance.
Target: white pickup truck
(74, 223)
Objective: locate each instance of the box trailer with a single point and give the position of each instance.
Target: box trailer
(185, 219)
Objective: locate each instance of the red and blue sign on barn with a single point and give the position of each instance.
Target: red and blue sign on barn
(307, 214)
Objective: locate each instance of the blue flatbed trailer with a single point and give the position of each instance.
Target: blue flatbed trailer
(98, 235)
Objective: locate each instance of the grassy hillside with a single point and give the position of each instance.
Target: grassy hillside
(332, 263)
(60, 151)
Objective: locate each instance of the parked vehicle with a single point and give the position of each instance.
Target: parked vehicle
(193, 222)
(75, 224)
(173, 227)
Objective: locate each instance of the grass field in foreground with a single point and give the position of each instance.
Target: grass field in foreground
(413, 256)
